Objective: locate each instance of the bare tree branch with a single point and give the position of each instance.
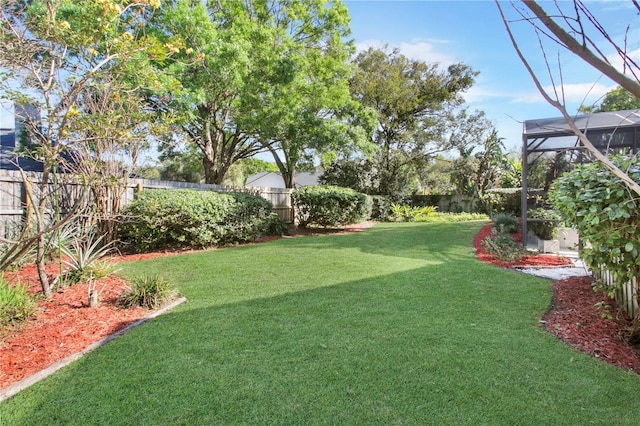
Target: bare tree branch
(560, 107)
(579, 49)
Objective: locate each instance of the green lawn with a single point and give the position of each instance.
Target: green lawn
(399, 324)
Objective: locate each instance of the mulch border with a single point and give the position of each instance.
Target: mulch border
(46, 372)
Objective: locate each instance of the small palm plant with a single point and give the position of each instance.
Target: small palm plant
(84, 257)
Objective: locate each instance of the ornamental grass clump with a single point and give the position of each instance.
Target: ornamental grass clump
(148, 291)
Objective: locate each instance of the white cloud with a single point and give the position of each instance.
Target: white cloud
(581, 93)
(421, 50)
(617, 63)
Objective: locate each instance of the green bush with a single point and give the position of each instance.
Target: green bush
(508, 200)
(16, 304)
(502, 246)
(546, 224)
(605, 213)
(453, 217)
(159, 219)
(380, 207)
(406, 213)
(330, 206)
(148, 291)
(505, 223)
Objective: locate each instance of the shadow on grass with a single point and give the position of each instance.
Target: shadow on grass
(428, 345)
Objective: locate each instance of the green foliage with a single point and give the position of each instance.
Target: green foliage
(505, 223)
(416, 111)
(453, 217)
(159, 219)
(330, 206)
(380, 207)
(605, 213)
(407, 213)
(503, 200)
(148, 291)
(16, 304)
(83, 256)
(618, 99)
(548, 222)
(476, 172)
(502, 246)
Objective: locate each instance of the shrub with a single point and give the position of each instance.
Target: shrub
(453, 217)
(330, 206)
(503, 200)
(605, 213)
(380, 207)
(159, 219)
(16, 304)
(406, 213)
(546, 225)
(502, 246)
(148, 291)
(505, 223)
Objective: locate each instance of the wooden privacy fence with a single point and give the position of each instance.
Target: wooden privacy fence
(13, 195)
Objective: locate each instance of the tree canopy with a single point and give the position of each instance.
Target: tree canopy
(417, 112)
(258, 76)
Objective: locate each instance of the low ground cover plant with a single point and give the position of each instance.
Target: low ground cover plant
(16, 303)
(503, 246)
(453, 217)
(330, 206)
(161, 219)
(407, 213)
(500, 243)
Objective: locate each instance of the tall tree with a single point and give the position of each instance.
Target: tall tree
(73, 62)
(216, 45)
(257, 76)
(306, 108)
(416, 110)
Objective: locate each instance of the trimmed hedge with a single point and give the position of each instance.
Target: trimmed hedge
(330, 206)
(183, 218)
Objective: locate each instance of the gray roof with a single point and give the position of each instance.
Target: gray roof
(549, 127)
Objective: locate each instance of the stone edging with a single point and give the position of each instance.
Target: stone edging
(34, 378)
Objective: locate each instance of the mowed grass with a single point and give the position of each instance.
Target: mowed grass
(399, 324)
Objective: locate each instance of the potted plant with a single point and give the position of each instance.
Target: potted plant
(544, 225)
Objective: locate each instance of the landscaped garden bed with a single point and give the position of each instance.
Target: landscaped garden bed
(65, 324)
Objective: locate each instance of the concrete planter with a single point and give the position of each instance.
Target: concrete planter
(568, 238)
(548, 246)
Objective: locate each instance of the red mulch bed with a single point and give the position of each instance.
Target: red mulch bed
(533, 260)
(573, 316)
(64, 324)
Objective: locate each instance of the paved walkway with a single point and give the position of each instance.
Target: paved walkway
(557, 273)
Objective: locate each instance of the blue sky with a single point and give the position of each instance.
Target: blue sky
(472, 32)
